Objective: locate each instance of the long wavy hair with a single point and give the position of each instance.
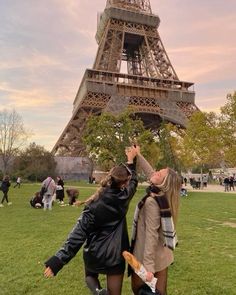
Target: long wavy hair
(116, 178)
(171, 186)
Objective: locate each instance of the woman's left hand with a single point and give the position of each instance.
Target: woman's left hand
(131, 153)
(48, 273)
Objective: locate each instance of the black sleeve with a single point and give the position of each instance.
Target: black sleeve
(74, 242)
(133, 181)
(55, 264)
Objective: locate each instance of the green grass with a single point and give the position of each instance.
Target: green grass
(204, 260)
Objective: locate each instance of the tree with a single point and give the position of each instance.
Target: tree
(12, 136)
(210, 139)
(202, 141)
(228, 130)
(170, 139)
(35, 163)
(106, 137)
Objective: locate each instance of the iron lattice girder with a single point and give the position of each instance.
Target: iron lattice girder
(128, 31)
(136, 5)
(117, 37)
(161, 98)
(70, 141)
(108, 83)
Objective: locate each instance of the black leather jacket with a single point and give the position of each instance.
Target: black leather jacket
(102, 228)
(5, 186)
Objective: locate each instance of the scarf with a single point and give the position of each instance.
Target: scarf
(167, 225)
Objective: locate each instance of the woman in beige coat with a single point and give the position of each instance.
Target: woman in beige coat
(151, 241)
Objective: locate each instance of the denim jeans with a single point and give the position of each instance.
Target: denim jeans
(47, 202)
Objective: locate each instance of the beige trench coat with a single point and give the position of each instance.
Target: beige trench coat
(149, 248)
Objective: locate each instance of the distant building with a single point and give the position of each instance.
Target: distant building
(73, 168)
(223, 172)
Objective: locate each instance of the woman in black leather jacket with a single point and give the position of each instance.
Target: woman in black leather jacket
(5, 188)
(102, 229)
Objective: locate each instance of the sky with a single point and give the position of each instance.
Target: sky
(46, 45)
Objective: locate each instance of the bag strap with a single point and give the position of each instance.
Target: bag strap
(46, 187)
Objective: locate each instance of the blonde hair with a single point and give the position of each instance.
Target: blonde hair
(171, 186)
(116, 177)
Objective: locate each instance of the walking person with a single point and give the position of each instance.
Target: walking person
(103, 229)
(5, 188)
(18, 182)
(47, 191)
(154, 222)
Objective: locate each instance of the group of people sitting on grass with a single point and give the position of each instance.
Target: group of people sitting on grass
(50, 192)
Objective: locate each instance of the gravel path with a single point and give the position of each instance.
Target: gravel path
(210, 188)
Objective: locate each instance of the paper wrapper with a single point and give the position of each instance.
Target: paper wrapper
(139, 270)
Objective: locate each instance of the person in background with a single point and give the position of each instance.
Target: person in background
(155, 222)
(103, 229)
(50, 188)
(60, 190)
(204, 180)
(231, 183)
(18, 182)
(185, 181)
(37, 201)
(226, 183)
(5, 188)
(72, 194)
(183, 192)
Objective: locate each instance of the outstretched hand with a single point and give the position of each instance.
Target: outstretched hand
(131, 152)
(48, 273)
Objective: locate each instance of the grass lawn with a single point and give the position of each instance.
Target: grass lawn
(205, 261)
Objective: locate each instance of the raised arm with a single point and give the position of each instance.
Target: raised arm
(144, 165)
(131, 153)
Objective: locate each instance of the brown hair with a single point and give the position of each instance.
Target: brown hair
(171, 186)
(6, 178)
(116, 177)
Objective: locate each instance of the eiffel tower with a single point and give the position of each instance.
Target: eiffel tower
(131, 68)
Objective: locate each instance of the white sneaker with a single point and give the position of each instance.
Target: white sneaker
(9, 203)
(1, 205)
(101, 292)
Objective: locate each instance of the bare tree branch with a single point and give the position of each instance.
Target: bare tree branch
(13, 136)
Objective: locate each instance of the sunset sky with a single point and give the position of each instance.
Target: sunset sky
(46, 45)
